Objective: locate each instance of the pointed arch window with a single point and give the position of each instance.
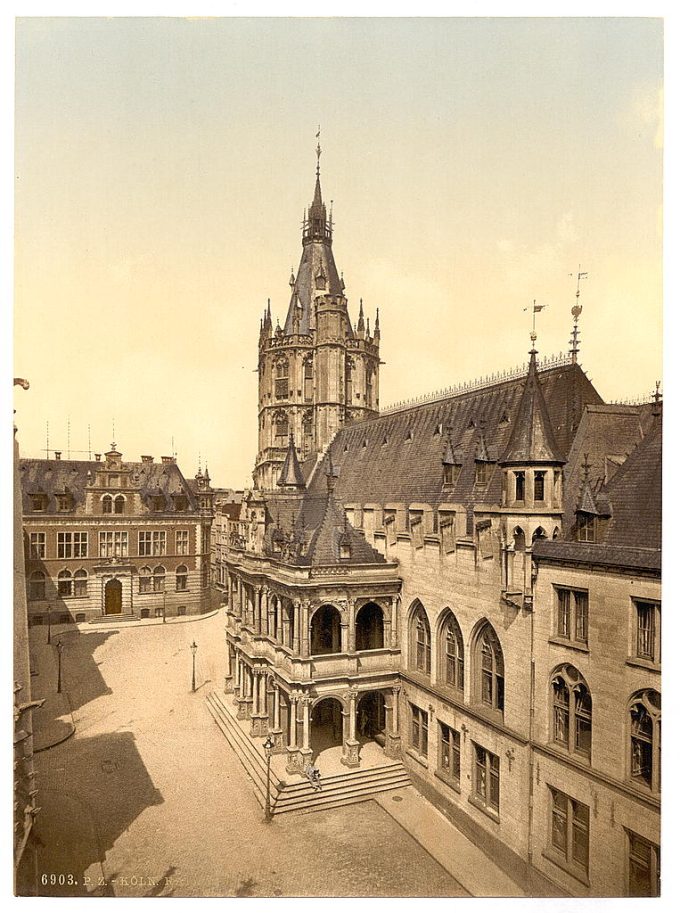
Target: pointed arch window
(572, 711)
(452, 656)
(281, 379)
(349, 366)
(490, 683)
(369, 387)
(280, 429)
(420, 641)
(308, 379)
(645, 739)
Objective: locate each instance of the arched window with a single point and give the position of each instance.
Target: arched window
(308, 379)
(107, 504)
(349, 365)
(119, 504)
(490, 678)
(281, 379)
(539, 533)
(159, 579)
(452, 663)
(572, 711)
(645, 739)
(325, 631)
(80, 582)
(369, 627)
(36, 588)
(518, 558)
(369, 388)
(420, 658)
(64, 583)
(145, 579)
(182, 578)
(307, 432)
(280, 429)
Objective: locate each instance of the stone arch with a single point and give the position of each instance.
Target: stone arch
(326, 720)
(324, 630)
(538, 533)
(370, 627)
(371, 716)
(113, 597)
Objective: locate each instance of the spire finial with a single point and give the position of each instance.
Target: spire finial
(586, 468)
(576, 313)
(535, 310)
(318, 151)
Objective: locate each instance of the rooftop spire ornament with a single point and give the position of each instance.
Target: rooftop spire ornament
(576, 313)
(535, 310)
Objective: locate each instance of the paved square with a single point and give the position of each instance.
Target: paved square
(148, 799)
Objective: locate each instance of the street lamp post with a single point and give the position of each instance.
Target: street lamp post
(60, 650)
(268, 745)
(49, 624)
(194, 647)
(163, 606)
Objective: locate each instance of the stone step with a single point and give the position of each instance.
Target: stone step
(300, 797)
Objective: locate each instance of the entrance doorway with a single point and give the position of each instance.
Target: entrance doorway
(371, 717)
(113, 597)
(326, 730)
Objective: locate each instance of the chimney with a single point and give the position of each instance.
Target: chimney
(168, 459)
(146, 458)
(57, 454)
(97, 457)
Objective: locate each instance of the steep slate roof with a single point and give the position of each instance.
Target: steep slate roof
(633, 534)
(532, 439)
(378, 463)
(55, 476)
(317, 255)
(607, 434)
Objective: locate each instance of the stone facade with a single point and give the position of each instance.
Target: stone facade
(506, 580)
(115, 538)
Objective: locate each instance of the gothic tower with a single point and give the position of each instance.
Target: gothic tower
(317, 373)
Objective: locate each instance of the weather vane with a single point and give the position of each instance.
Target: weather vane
(536, 308)
(576, 313)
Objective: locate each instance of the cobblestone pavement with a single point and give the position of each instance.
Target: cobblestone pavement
(147, 798)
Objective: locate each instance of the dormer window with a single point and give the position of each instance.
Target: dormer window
(38, 502)
(539, 486)
(585, 531)
(180, 502)
(482, 472)
(345, 549)
(64, 502)
(451, 473)
(158, 503)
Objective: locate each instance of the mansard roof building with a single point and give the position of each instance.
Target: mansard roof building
(464, 592)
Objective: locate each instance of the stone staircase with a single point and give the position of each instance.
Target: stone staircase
(296, 794)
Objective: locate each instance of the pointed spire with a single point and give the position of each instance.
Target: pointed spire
(532, 439)
(360, 323)
(586, 501)
(376, 332)
(291, 474)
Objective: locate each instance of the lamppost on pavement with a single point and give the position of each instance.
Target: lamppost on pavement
(60, 650)
(163, 606)
(194, 647)
(49, 624)
(268, 745)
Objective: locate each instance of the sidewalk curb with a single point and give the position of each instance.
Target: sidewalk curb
(62, 738)
(89, 626)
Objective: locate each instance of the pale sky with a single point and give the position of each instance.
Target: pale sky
(162, 169)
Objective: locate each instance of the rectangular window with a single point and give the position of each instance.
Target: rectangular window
(38, 502)
(64, 502)
(486, 778)
(643, 867)
(648, 625)
(419, 730)
(37, 545)
(449, 753)
(182, 541)
(80, 545)
(570, 830)
(205, 540)
(519, 486)
(145, 581)
(482, 472)
(572, 614)
(585, 531)
(152, 542)
(64, 545)
(113, 544)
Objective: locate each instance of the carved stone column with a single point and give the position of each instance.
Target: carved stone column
(237, 675)
(297, 619)
(276, 732)
(271, 616)
(229, 674)
(259, 717)
(306, 751)
(258, 610)
(285, 626)
(392, 732)
(394, 639)
(244, 699)
(350, 745)
(294, 762)
(304, 629)
(352, 631)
